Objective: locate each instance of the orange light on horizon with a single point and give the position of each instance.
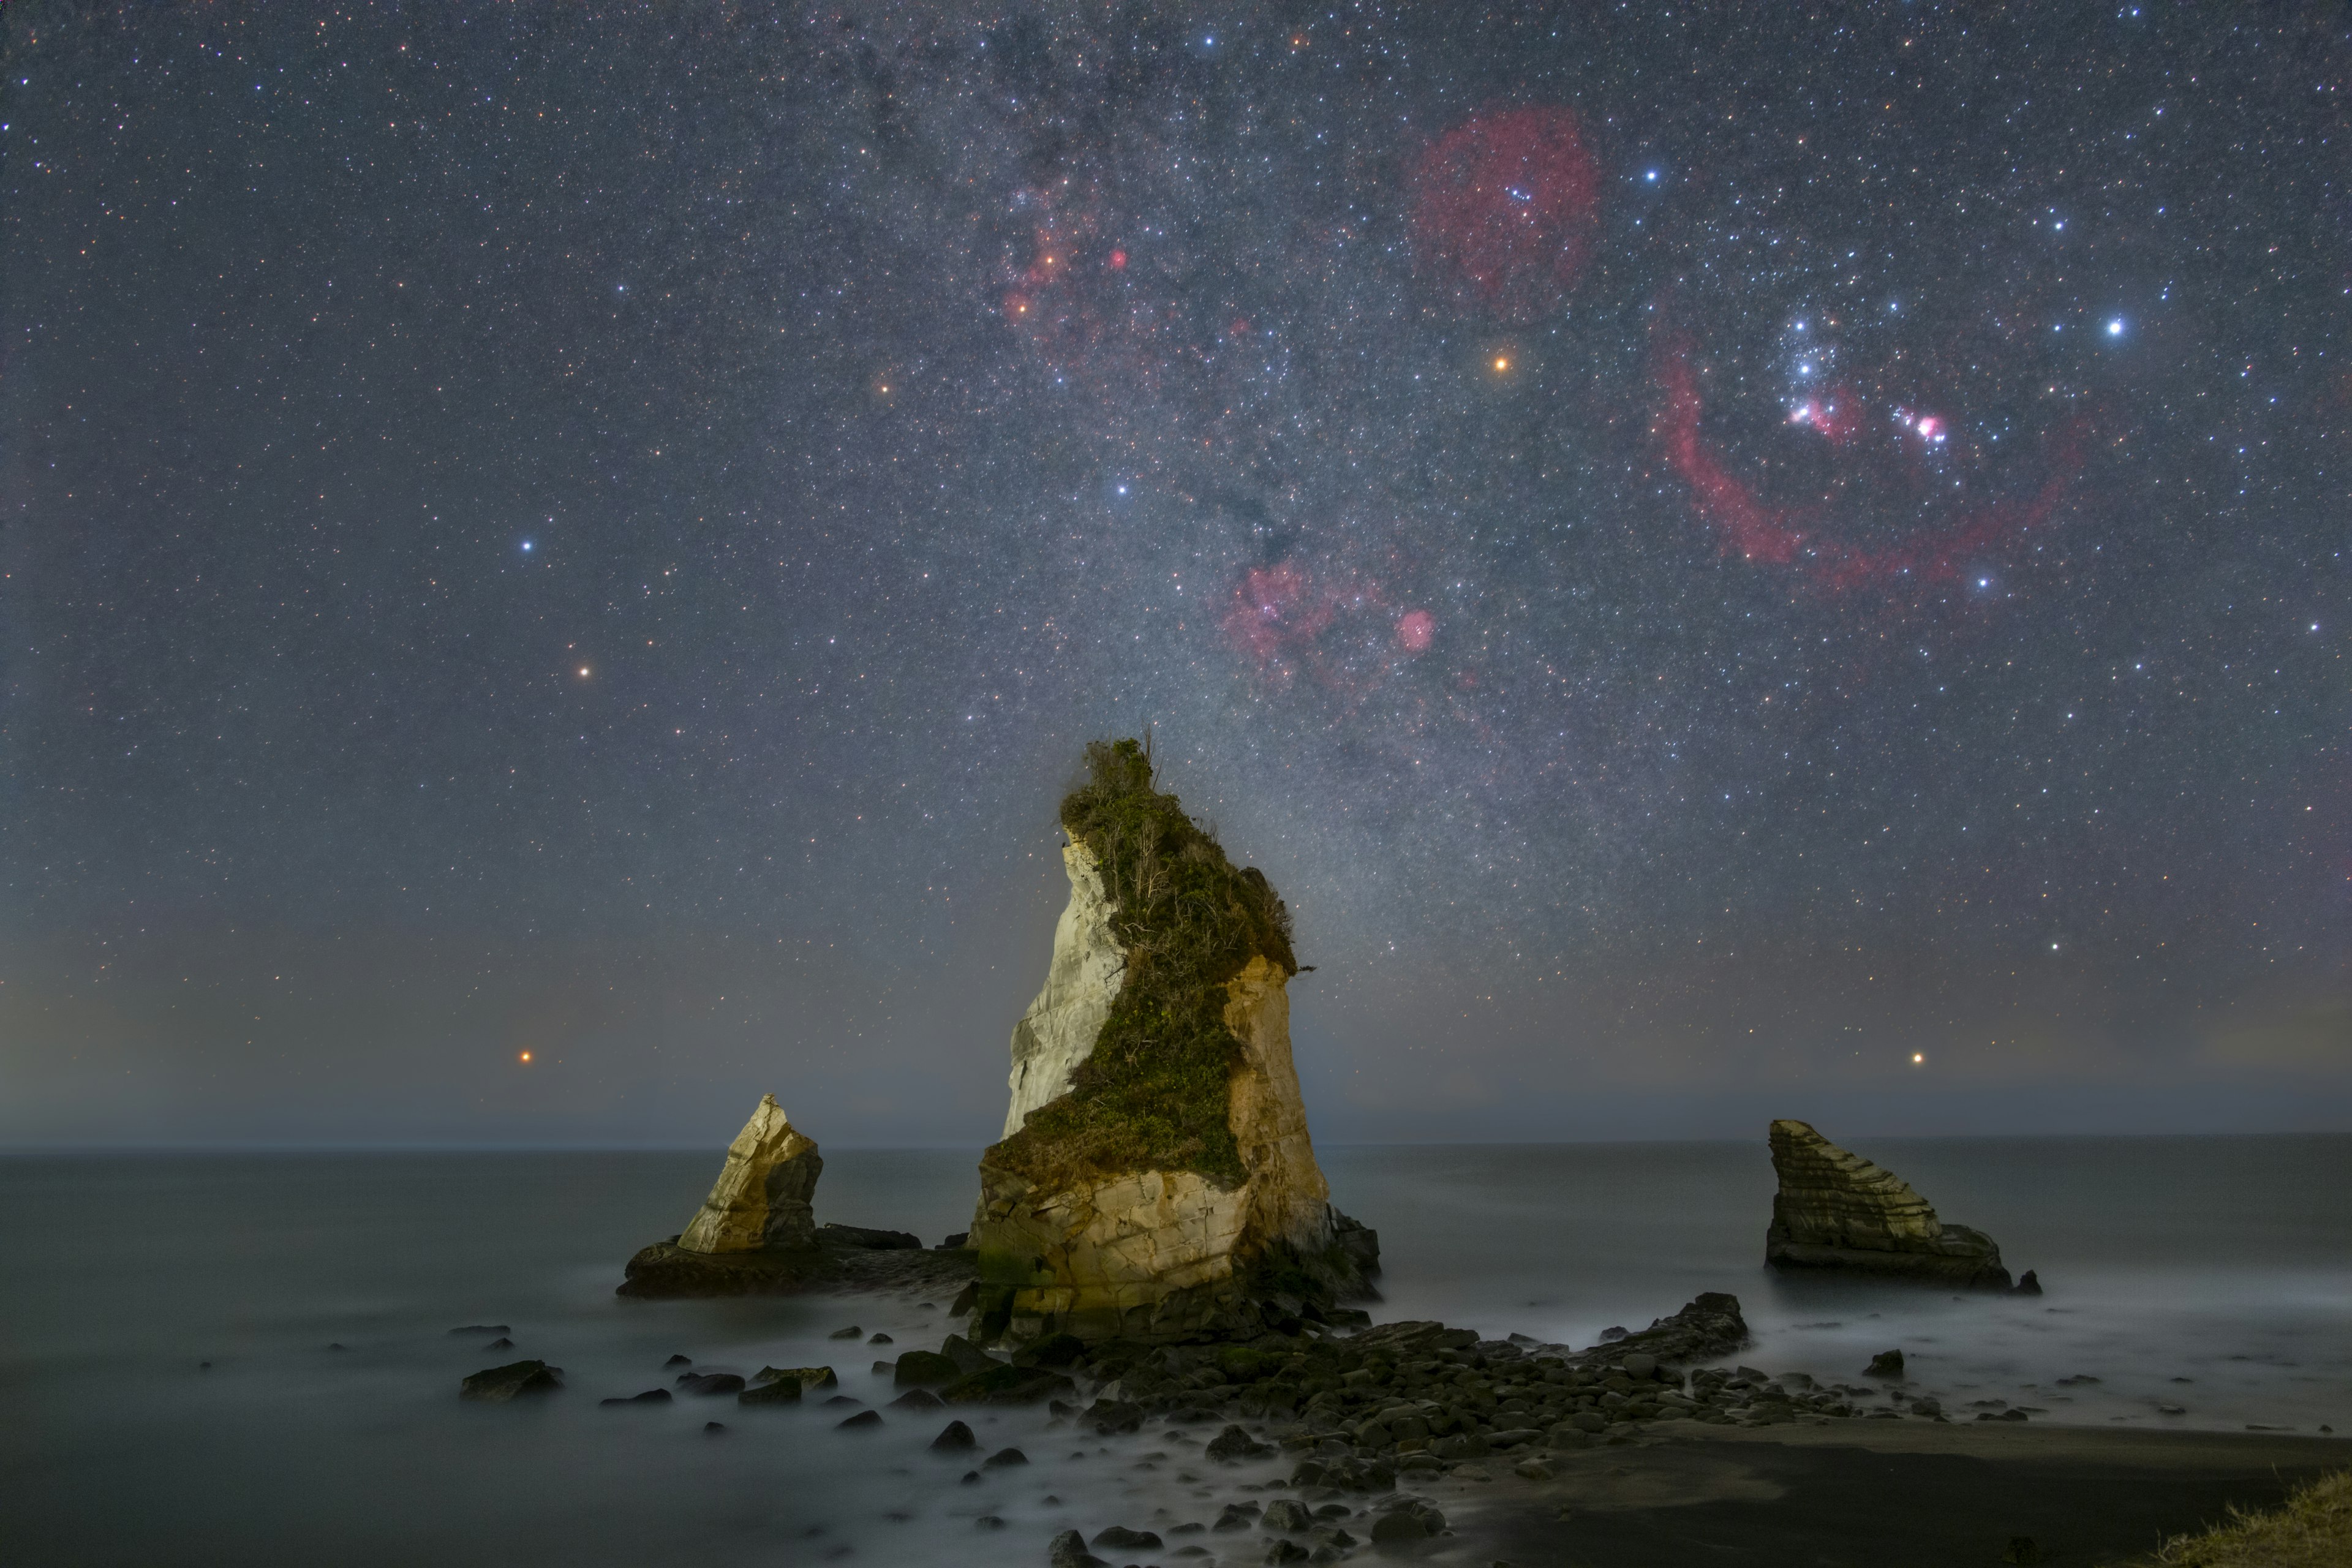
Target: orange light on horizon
(524, 1057)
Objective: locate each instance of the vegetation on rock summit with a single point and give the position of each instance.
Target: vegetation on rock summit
(1153, 1094)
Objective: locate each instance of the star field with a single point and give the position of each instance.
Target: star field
(1721, 559)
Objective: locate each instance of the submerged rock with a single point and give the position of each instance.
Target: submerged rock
(498, 1384)
(1156, 1179)
(762, 1197)
(1837, 1211)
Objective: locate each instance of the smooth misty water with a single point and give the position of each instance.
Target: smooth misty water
(2224, 1261)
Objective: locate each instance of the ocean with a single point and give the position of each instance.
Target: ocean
(2191, 1283)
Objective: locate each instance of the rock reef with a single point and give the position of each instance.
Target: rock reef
(1836, 1211)
(1156, 1180)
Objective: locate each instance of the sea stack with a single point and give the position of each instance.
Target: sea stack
(1156, 1180)
(1837, 1211)
(756, 1234)
(763, 1196)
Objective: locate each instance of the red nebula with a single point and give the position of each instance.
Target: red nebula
(1276, 611)
(1765, 532)
(1416, 629)
(1506, 205)
(1837, 416)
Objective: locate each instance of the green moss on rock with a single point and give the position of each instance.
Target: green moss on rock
(1152, 1096)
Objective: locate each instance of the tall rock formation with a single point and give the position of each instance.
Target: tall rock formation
(763, 1194)
(1156, 1179)
(1836, 1210)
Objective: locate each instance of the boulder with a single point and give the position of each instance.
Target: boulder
(779, 1391)
(1836, 1211)
(708, 1383)
(1156, 1180)
(804, 1377)
(498, 1384)
(924, 1369)
(1069, 1549)
(762, 1199)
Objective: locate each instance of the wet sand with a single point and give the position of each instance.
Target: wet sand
(1878, 1494)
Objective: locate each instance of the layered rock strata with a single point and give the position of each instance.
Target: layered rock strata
(1836, 1211)
(1156, 1179)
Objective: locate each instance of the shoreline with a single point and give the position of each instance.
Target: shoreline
(1887, 1494)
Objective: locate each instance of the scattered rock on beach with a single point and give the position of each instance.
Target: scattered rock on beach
(862, 1421)
(1234, 1443)
(1069, 1549)
(1286, 1514)
(806, 1376)
(499, 1384)
(471, 1328)
(650, 1396)
(955, 1437)
(500, 1344)
(851, 1332)
(1118, 1535)
(1004, 1458)
(679, 1360)
(917, 1399)
(1885, 1363)
(775, 1391)
(925, 1369)
(709, 1384)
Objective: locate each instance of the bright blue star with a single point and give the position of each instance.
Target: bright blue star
(2116, 327)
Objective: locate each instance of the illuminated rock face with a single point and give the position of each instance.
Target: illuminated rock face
(762, 1197)
(1160, 1254)
(1837, 1211)
(1083, 980)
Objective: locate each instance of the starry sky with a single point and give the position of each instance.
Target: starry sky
(1729, 561)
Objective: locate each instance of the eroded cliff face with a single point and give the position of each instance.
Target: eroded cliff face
(1161, 1255)
(1083, 980)
(1171, 1191)
(763, 1199)
(1836, 1210)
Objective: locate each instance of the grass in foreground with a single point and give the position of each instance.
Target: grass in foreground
(2313, 1529)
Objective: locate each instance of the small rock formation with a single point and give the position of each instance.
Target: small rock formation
(763, 1196)
(1837, 1211)
(1156, 1179)
(757, 1234)
(503, 1384)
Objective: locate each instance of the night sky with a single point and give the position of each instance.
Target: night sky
(1729, 562)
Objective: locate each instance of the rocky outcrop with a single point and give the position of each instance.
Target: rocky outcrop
(1156, 1179)
(756, 1234)
(763, 1199)
(1836, 1211)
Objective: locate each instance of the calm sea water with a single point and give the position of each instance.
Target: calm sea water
(2223, 1261)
